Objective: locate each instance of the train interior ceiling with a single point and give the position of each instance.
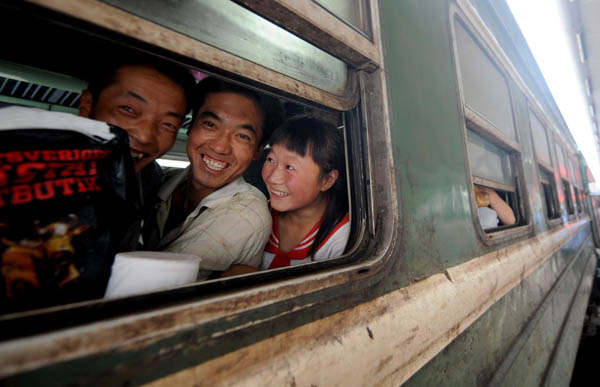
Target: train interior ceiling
(48, 65)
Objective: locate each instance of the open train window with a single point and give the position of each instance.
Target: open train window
(306, 77)
(492, 140)
(541, 147)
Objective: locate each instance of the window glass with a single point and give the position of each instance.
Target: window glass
(485, 89)
(576, 171)
(232, 28)
(489, 161)
(561, 162)
(540, 140)
(578, 200)
(571, 168)
(568, 197)
(351, 11)
(549, 194)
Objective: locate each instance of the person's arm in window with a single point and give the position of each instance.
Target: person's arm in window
(505, 213)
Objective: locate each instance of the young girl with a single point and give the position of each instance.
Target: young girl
(305, 174)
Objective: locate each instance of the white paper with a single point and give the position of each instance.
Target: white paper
(140, 272)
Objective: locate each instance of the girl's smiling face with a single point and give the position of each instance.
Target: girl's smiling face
(294, 182)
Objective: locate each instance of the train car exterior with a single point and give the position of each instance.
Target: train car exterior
(436, 96)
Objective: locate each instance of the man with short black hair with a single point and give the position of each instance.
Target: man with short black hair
(208, 209)
(148, 98)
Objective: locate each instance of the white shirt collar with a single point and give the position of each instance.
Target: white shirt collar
(212, 200)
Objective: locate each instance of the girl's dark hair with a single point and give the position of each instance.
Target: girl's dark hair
(325, 144)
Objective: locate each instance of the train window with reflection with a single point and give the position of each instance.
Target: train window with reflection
(492, 141)
(55, 82)
(354, 12)
(564, 174)
(568, 197)
(541, 147)
(577, 183)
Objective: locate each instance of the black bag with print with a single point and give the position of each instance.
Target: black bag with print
(68, 198)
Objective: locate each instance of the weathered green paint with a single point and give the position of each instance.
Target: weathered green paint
(434, 194)
(521, 329)
(425, 121)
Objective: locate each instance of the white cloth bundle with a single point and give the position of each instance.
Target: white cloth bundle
(140, 272)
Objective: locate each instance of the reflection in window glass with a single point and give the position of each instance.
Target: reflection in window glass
(561, 162)
(540, 141)
(489, 161)
(577, 171)
(351, 11)
(571, 168)
(546, 179)
(232, 28)
(485, 89)
(568, 197)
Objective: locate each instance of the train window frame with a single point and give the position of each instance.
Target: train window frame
(472, 121)
(188, 50)
(365, 125)
(363, 9)
(576, 179)
(323, 28)
(568, 198)
(564, 174)
(548, 184)
(549, 191)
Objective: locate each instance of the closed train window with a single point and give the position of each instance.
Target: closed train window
(541, 147)
(492, 140)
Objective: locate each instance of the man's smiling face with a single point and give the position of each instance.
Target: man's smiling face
(223, 140)
(146, 103)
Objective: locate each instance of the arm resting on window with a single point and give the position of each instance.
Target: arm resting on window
(505, 213)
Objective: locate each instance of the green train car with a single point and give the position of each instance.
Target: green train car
(435, 97)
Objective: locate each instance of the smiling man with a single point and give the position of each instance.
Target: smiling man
(149, 100)
(208, 209)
